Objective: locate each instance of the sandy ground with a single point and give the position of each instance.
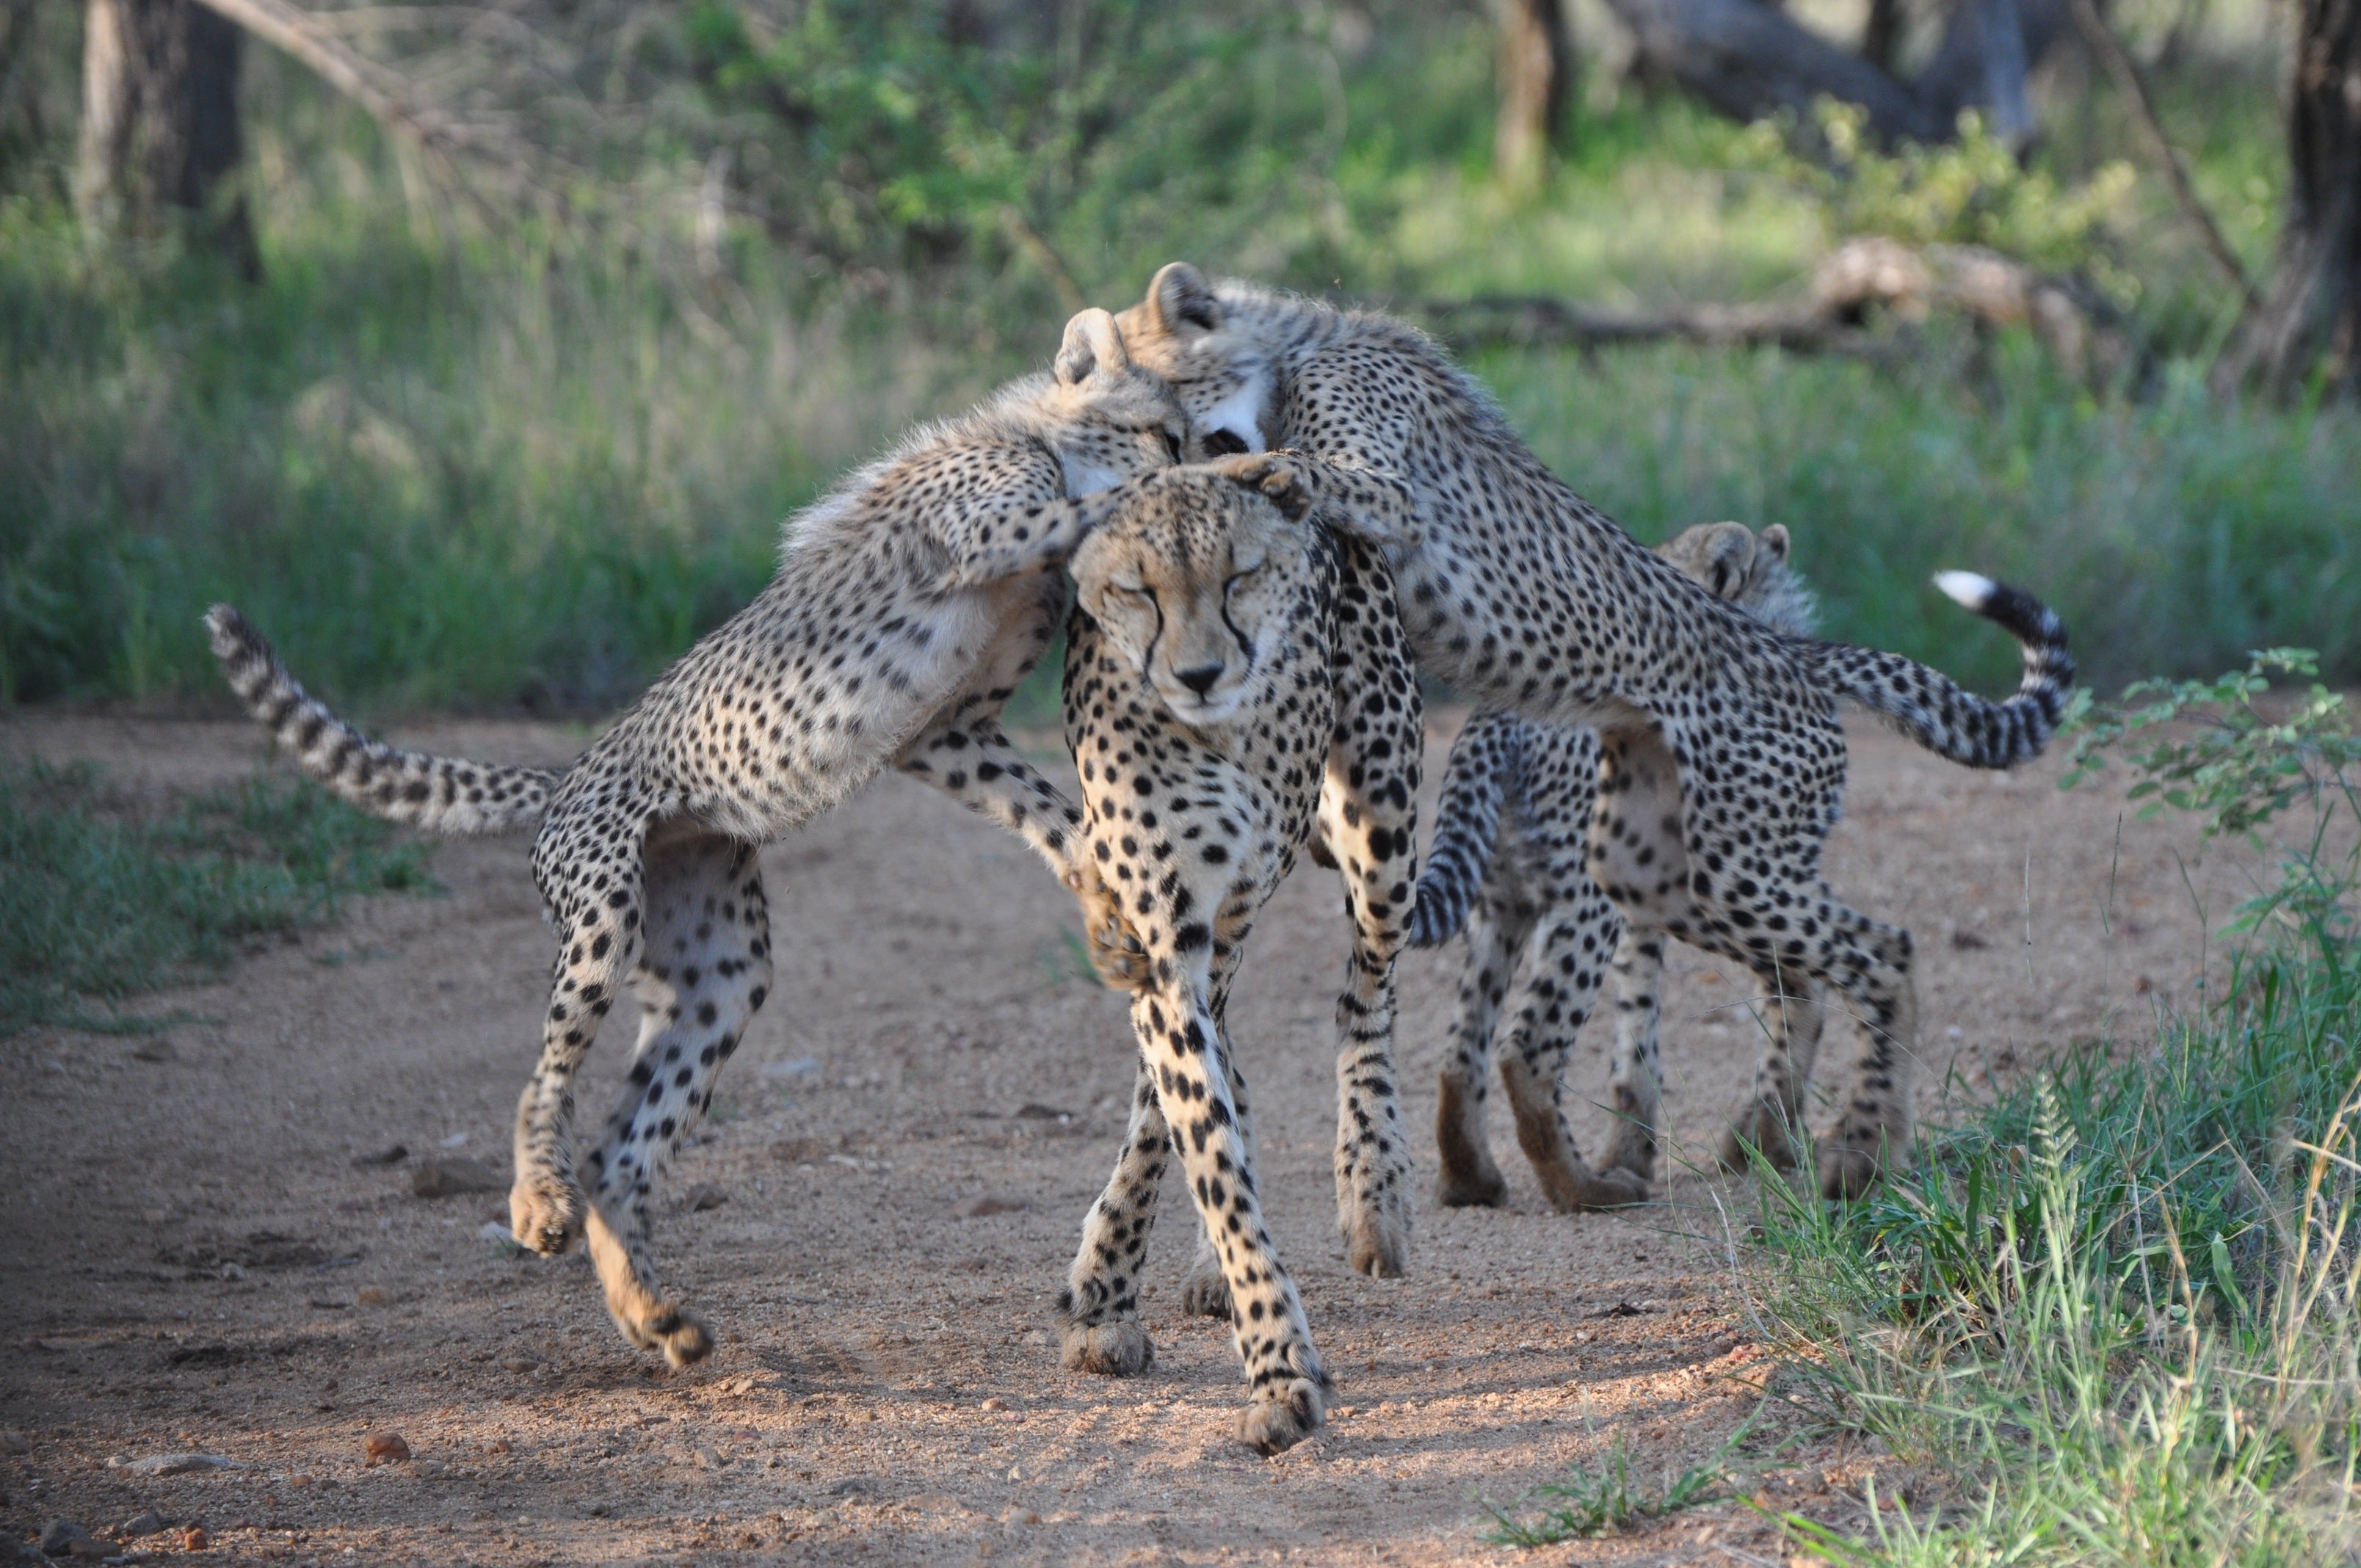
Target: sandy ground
(191, 1260)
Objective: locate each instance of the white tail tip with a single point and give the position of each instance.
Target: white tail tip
(1972, 589)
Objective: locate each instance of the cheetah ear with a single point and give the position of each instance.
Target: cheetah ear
(1714, 555)
(1093, 346)
(1775, 540)
(1179, 296)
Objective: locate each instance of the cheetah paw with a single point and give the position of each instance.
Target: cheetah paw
(1274, 1426)
(544, 1212)
(1280, 474)
(1204, 1293)
(1480, 1188)
(1847, 1168)
(682, 1337)
(1377, 1244)
(1582, 1191)
(1629, 1147)
(1116, 1349)
(1115, 952)
(1765, 1128)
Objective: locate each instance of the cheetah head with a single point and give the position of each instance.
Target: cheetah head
(1107, 417)
(1197, 582)
(1749, 570)
(1184, 333)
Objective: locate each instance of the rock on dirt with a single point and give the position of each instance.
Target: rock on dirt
(705, 1195)
(58, 1540)
(393, 1155)
(147, 1523)
(387, 1448)
(977, 1208)
(176, 1464)
(447, 1174)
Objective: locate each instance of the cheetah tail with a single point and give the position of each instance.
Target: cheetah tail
(440, 794)
(1929, 707)
(1467, 820)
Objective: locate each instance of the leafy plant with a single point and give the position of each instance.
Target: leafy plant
(1972, 190)
(2212, 751)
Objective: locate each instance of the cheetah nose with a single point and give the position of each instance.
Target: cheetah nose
(1200, 679)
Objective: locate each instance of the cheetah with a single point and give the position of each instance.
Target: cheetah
(1217, 660)
(1523, 596)
(1523, 877)
(907, 604)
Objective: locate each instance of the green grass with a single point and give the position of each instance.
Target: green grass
(2112, 1315)
(1602, 1499)
(444, 466)
(99, 904)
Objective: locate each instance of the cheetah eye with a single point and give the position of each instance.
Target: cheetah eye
(1224, 442)
(1171, 445)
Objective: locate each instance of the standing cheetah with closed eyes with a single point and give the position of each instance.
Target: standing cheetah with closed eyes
(907, 604)
(1216, 660)
(1525, 596)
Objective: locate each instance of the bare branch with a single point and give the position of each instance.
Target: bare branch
(2126, 72)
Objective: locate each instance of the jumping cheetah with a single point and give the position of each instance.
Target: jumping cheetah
(1220, 664)
(1511, 849)
(909, 603)
(1525, 596)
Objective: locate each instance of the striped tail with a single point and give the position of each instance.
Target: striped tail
(1484, 762)
(445, 795)
(1929, 707)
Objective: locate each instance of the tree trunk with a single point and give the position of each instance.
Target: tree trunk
(1988, 48)
(160, 128)
(1537, 66)
(2310, 317)
(1748, 61)
(1880, 41)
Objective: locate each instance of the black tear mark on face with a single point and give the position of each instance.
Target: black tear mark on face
(1224, 443)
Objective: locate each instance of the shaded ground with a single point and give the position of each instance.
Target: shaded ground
(191, 1260)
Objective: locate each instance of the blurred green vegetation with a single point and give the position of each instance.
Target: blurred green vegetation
(449, 462)
(101, 901)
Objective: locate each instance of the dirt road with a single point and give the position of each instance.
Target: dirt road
(191, 1260)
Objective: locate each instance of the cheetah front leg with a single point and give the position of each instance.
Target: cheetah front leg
(1099, 1304)
(1361, 500)
(1204, 1293)
(1637, 1084)
(964, 752)
(1368, 819)
(1287, 1386)
(705, 969)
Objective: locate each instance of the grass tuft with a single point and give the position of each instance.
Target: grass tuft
(2117, 1309)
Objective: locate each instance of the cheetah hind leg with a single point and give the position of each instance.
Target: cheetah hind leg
(645, 1317)
(1467, 1176)
(1637, 1087)
(1791, 1015)
(1552, 998)
(705, 972)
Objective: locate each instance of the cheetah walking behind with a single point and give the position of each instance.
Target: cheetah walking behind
(907, 604)
(1509, 864)
(1217, 662)
(1525, 596)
